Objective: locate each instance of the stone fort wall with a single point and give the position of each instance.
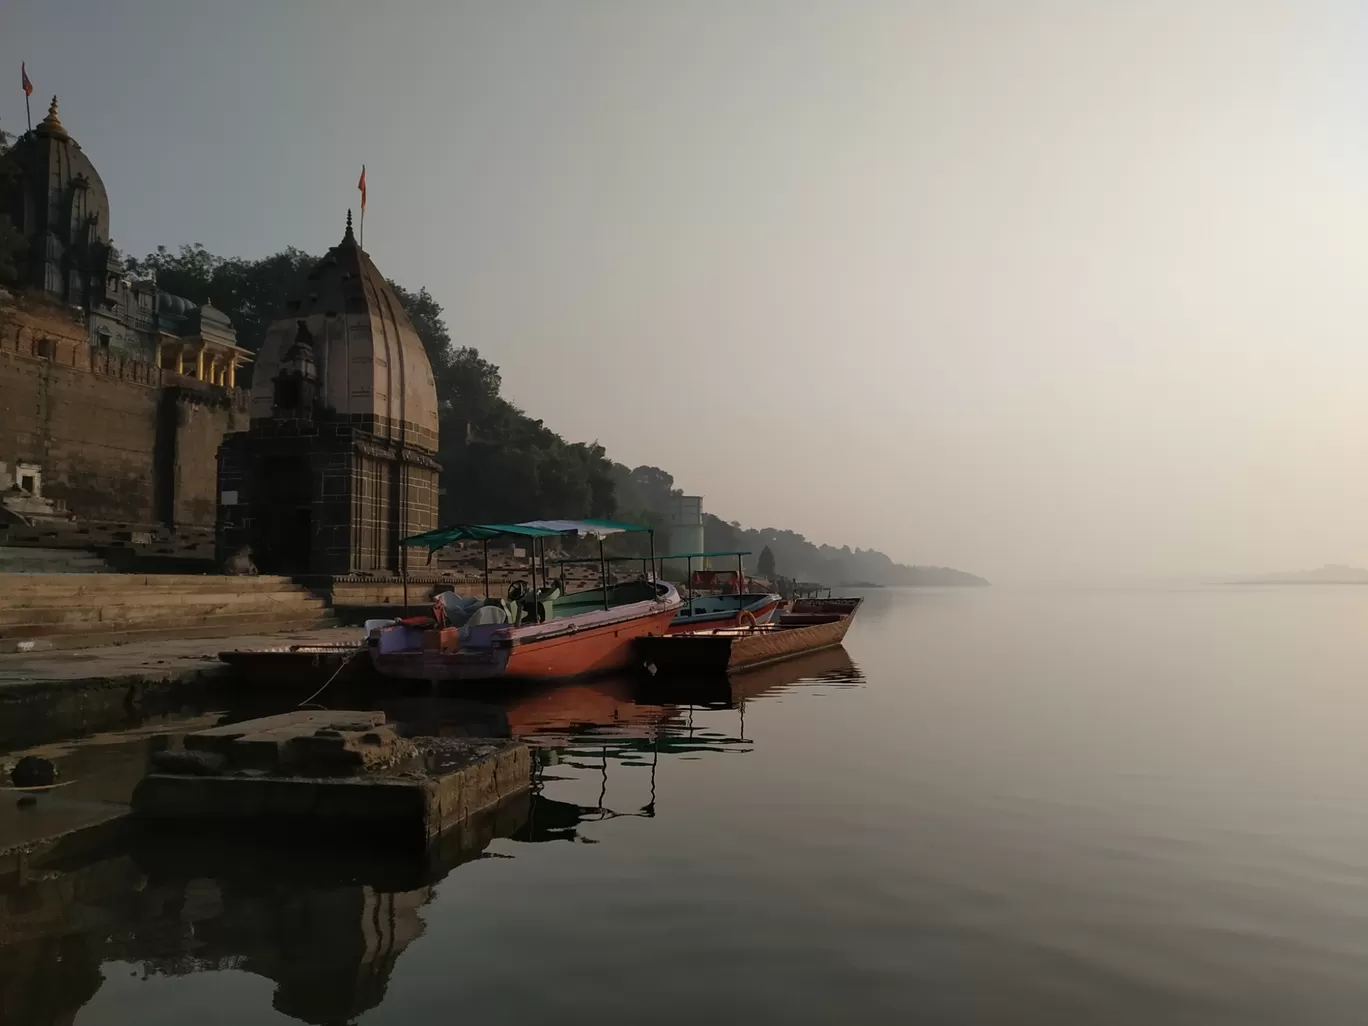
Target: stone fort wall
(116, 439)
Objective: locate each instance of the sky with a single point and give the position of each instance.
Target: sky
(1045, 291)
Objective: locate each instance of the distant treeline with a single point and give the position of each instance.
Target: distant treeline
(643, 495)
(498, 463)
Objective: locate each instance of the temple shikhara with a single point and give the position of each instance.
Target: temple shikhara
(339, 461)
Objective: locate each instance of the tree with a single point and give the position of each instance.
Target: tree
(12, 242)
(765, 565)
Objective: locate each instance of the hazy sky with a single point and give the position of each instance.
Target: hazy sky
(1032, 289)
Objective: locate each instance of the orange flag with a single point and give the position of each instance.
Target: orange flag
(362, 186)
(28, 86)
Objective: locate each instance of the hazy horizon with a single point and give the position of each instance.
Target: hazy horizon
(1073, 292)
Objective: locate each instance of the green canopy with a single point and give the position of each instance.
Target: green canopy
(700, 555)
(444, 536)
(595, 560)
(592, 528)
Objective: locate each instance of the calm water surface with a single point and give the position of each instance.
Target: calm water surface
(1001, 807)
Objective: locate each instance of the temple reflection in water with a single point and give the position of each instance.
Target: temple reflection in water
(327, 926)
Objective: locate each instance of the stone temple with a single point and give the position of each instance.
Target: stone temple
(61, 208)
(338, 463)
(114, 394)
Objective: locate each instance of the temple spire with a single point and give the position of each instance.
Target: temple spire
(349, 237)
(52, 124)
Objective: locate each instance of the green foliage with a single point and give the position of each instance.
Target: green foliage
(644, 489)
(12, 243)
(764, 566)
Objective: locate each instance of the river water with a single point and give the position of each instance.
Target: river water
(996, 806)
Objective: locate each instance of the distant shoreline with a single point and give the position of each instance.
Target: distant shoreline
(1299, 584)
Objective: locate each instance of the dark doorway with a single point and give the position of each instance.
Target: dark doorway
(287, 528)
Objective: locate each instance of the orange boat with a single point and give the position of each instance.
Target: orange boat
(536, 634)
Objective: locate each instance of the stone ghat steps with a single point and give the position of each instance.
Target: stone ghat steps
(212, 627)
(85, 610)
(140, 584)
(37, 560)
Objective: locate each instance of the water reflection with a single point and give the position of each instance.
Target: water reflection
(591, 727)
(328, 924)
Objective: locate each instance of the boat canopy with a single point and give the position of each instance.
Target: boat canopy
(585, 528)
(444, 536)
(700, 555)
(595, 560)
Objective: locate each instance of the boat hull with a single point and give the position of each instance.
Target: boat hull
(731, 650)
(554, 655)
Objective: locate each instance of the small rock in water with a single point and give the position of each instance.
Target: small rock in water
(31, 771)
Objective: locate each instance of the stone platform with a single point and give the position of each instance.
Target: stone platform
(50, 695)
(330, 772)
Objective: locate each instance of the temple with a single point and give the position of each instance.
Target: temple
(338, 463)
(61, 208)
(114, 393)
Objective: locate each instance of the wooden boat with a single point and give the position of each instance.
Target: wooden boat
(582, 638)
(809, 606)
(730, 649)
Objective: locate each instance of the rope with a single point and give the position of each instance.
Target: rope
(43, 787)
(345, 663)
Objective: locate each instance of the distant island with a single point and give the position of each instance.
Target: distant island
(1328, 574)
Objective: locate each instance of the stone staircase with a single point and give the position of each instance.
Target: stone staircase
(133, 548)
(81, 610)
(16, 559)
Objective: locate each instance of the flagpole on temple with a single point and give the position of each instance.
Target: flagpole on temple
(362, 186)
(28, 91)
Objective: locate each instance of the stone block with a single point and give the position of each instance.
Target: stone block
(290, 799)
(447, 782)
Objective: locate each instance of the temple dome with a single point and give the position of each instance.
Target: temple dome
(372, 367)
(60, 192)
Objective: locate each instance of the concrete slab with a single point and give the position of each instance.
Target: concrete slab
(301, 742)
(152, 660)
(49, 695)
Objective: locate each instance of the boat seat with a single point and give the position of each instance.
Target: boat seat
(543, 604)
(482, 623)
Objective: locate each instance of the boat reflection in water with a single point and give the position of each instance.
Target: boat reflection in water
(328, 924)
(590, 727)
